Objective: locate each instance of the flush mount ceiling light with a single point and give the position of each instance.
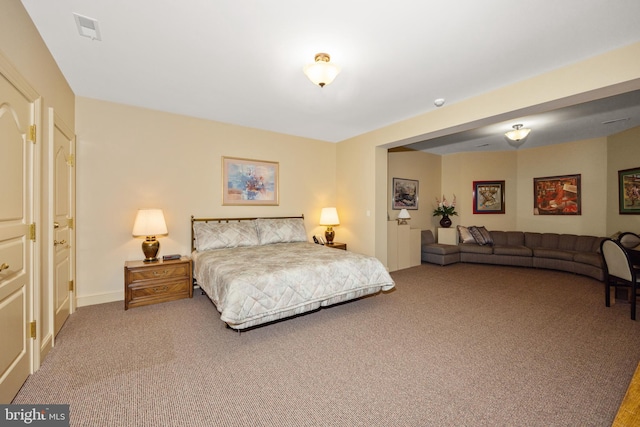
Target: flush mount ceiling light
(321, 72)
(517, 136)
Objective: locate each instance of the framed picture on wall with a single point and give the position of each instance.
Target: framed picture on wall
(405, 194)
(488, 197)
(557, 195)
(249, 182)
(629, 191)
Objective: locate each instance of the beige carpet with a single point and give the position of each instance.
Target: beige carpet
(461, 345)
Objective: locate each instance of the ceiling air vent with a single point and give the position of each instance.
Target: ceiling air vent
(608, 122)
(87, 27)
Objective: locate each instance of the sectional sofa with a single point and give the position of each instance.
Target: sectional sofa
(566, 252)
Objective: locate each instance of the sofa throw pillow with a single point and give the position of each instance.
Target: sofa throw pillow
(465, 235)
(481, 235)
(219, 235)
(488, 240)
(281, 230)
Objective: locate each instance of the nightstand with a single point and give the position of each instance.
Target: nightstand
(154, 282)
(337, 245)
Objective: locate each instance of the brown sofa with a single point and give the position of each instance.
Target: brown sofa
(566, 252)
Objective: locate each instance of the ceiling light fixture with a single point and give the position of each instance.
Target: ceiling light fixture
(517, 136)
(321, 72)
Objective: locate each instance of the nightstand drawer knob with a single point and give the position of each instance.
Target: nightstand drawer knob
(161, 273)
(162, 289)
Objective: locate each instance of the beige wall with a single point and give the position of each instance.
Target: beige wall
(517, 169)
(460, 170)
(427, 169)
(623, 153)
(21, 45)
(117, 146)
(607, 74)
(457, 172)
(355, 174)
(130, 158)
(588, 158)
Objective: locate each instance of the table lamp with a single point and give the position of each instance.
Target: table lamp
(329, 217)
(150, 223)
(403, 216)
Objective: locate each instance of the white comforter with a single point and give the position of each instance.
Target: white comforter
(257, 284)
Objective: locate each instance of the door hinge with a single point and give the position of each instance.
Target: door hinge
(71, 286)
(70, 223)
(32, 133)
(71, 160)
(32, 330)
(32, 231)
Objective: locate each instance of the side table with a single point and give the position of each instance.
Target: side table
(337, 245)
(448, 236)
(150, 283)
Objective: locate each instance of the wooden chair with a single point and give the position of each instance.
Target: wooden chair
(619, 271)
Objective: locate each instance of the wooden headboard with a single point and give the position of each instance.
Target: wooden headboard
(220, 220)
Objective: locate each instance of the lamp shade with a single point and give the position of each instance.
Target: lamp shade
(517, 136)
(404, 214)
(329, 216)
(149, 222)
(321, 72)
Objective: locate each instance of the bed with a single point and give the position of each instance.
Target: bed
(258, 270)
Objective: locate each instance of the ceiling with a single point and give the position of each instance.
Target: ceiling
(241, 62)
(587, 120)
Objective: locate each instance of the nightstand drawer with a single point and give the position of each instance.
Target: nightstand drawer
(156, 282)
(160, 272)
(160, 290)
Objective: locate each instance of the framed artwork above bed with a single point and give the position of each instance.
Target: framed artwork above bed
(249, 182)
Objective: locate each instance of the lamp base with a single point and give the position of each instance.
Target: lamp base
(329, 235)
(402, 222)
(150, 248)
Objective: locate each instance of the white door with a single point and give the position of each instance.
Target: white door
(16, 247)
(62, 211)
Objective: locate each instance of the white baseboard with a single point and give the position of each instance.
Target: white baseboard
(84, 300)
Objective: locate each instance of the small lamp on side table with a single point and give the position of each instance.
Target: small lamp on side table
(329, 217)
(150, 223)
(403, 216)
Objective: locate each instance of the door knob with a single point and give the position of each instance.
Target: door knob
(61, 242)
(4, 266)
(56, 225)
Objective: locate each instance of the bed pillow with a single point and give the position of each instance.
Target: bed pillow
(481, 235)
(214, 235)
(465, 235)
(281, 230)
